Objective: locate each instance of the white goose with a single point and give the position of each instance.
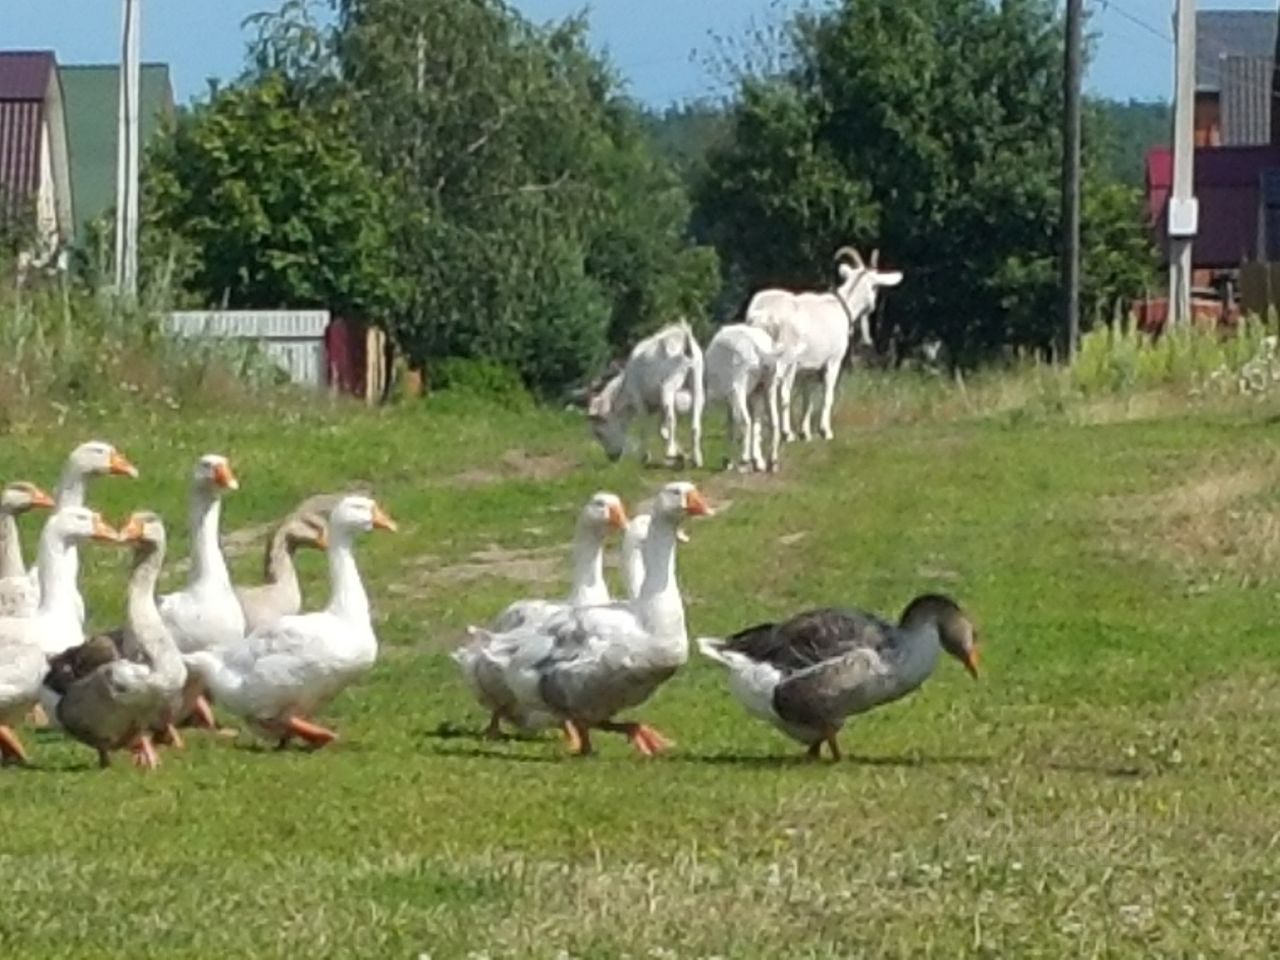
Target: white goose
(206, 613)
(278, 676)
(19, 596)
(92, 459)
(483, 674)
(631, 558)
(808, 674)
(26, 643)
(585, 665)
(109, 693)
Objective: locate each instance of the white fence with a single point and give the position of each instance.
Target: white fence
(294, 339)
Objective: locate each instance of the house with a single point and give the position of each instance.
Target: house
(35, 179)
(1237, 156)
(1235, 61)
(91, 95)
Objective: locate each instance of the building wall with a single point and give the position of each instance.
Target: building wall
(47, 235)
(1208, 120)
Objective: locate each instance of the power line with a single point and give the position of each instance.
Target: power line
(1113, 7)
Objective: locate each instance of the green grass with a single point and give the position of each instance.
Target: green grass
(1107, 789)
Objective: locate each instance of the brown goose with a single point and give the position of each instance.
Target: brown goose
(280, 595)
(808, 674)
(110, 691)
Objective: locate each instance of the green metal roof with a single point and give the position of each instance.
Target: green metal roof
(91, 98)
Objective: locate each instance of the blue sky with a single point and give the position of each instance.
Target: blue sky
(661, 46)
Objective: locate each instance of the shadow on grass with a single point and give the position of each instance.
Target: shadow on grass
(803, 760)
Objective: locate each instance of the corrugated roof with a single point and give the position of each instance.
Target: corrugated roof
(24, 84)
(1246, 101)
(1231, 33)
(91, 97)
(24, 74)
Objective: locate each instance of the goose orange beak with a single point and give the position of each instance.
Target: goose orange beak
(132, 530)
(381, 521)
(322, 540)
(103, 531)
(120, 466)
(224, 478)
(41, 500)
(971, 662)
(696, 505)
(617, 516)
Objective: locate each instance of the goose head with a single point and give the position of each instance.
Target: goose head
(78, 524)
(359, 515)
(213, 475)
(603, 512)
(19, 497)
(97, 458)
(956, 632)
(145, 531)
(306, 530)
(680, 500)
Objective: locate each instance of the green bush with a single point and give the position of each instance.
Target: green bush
(483, 379)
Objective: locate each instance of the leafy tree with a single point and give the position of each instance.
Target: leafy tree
(263, 201)
(538, 224)
(928, 129)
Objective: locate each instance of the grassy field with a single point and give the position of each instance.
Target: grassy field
(1107, 789)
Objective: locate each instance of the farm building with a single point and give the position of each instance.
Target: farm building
(35, 178)
(91, 95)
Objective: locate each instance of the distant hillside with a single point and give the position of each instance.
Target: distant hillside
(1122, 132)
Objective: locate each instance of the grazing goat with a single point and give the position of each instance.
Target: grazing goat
(659, 370)
(812, 331)
(741, 365)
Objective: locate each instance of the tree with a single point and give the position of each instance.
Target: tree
(264, 201)
(539, 227)
(930, 130)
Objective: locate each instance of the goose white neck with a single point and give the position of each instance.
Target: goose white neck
(57, 567)
(11, 564)
(659, 604)
(207, 563)
(347, 598)
(588, 584)
(71, 488)
(142, 615)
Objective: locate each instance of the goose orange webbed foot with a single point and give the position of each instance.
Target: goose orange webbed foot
(577, 738)
(494, 730)
(144, 754)
(643, 737)
(12, 752)
(313, 735)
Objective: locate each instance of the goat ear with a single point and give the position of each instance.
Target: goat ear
(890, 278)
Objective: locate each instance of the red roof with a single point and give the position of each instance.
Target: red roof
(25, 77)
(1228, 184)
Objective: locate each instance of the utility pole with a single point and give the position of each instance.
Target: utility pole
(1074, 66)
(1184, 214)
(126, 265)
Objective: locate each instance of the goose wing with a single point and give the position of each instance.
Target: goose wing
(812, 638)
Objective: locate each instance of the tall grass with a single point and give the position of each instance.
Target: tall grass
(64, 348)
(1120, 358)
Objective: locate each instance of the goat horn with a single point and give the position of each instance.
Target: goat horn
(852, 254)
(875, 258)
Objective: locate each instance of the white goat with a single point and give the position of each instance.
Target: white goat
(812, 331)
(741, 369)
(659, 369)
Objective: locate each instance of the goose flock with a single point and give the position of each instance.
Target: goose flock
(577, 664)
